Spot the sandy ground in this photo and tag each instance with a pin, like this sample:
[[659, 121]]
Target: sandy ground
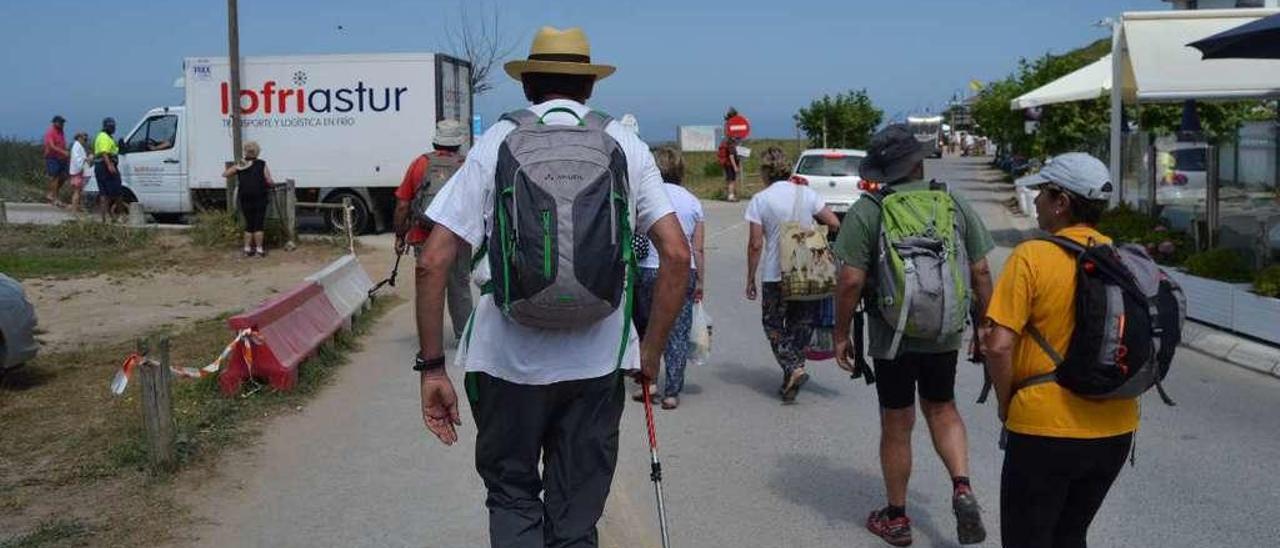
[[78, 312]]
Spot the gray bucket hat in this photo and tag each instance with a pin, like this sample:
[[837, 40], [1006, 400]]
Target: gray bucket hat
[[892, 155], [449, 133]]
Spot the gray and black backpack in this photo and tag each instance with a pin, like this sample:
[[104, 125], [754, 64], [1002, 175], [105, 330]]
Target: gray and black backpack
[[440, 167], [560, 247]]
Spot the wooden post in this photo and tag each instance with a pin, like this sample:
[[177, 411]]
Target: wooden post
[[291, 214], [233, 58], [4, 214], [346, 221], [157, 406]]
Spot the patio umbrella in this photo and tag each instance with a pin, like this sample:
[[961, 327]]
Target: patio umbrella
[[1257, 40]]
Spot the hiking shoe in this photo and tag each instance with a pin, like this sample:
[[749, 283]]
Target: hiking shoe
[[969, 527], [893, 531], [792, 387]]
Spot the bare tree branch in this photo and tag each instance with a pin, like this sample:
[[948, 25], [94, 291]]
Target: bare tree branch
[[480, 40]]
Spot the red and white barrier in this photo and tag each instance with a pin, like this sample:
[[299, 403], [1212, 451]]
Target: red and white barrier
[[290, 327], [345, 283]]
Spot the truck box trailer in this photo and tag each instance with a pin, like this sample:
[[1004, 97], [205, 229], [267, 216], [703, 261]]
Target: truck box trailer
[[338, 125]]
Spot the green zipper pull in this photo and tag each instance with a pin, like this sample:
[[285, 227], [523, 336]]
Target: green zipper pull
[[546, 244]]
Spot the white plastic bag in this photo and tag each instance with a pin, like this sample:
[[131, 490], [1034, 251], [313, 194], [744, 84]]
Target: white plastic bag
[[700, 335]]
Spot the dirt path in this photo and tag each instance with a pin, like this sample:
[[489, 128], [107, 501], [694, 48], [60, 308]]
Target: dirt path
[[80, 312]]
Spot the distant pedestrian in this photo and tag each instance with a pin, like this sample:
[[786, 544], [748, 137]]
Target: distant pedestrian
[[891, 242], [253, 190], [689, 212], [727, 155], [106, 170], [787, 324], [1063, 451], [56, 159], [81, 168], [427, 174], [551, 193]]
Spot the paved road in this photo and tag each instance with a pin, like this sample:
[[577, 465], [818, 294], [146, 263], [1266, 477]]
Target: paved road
[[354, 468]]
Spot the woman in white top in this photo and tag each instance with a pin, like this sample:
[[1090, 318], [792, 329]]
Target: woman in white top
[[689, 211], [787, 324], [81, 168]]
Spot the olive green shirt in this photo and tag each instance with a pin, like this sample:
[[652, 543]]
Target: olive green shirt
[[857, 246]]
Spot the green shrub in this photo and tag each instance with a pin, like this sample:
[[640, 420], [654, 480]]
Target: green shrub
[[21, 171], [222, 228], [1267, 282], [712, 169], [1227, 265], [82, 234], [1127, 225]]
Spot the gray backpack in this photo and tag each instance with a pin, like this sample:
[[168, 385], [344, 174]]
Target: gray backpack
[[440, 167], [560, 247]]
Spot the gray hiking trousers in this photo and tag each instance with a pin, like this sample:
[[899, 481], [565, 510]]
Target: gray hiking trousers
[[571, 428]]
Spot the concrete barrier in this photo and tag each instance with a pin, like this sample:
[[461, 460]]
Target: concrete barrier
[[345, 283], [287, 329]]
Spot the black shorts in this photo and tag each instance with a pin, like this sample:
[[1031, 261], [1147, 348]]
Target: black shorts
[[254, 209], [730, 174], [109, 184], [934, 374]]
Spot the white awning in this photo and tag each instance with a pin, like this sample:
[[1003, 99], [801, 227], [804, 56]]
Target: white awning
[[1089, 82], [1164, 68]]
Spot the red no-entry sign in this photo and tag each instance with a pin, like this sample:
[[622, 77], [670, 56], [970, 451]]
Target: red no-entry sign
[[737, 127]]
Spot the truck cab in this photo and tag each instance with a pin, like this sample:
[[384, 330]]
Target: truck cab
[[153, 162]]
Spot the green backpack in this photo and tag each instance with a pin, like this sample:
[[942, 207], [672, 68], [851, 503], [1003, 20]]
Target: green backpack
[[922, 273]]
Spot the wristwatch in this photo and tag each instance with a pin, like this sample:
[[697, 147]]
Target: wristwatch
[[420, 364]]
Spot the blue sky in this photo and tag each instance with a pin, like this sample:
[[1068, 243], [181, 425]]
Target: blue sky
[[679, 61]]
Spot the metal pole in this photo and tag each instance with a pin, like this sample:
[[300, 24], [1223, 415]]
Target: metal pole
[[1117, 108], [1211, 197], [233, 58]]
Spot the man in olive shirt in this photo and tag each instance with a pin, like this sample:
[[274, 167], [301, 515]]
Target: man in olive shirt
[[895, 158]]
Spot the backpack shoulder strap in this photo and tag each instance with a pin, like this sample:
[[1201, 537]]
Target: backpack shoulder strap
[[1075, 248], [1044, 345], [521, 117], [596, 120]]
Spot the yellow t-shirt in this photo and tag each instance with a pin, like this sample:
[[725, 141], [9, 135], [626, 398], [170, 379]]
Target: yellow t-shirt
[[104, 144], [1037, 287]]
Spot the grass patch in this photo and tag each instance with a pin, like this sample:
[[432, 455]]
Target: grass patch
[[73, 248], [22, 176], [75, 449], [705, 178], [223, 229], [50, 533]]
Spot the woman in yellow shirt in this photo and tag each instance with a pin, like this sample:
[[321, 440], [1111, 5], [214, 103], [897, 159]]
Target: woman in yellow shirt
[[1063, 451]]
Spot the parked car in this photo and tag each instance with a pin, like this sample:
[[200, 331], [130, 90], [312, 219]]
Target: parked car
[[1183, 174], [833, 174], [17, 325]]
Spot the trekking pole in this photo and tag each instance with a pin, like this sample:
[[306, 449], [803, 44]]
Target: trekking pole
[[655, 467], [390, 280]]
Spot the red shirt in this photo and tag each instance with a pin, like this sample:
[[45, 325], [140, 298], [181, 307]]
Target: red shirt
[[55, 144], [404, 192]]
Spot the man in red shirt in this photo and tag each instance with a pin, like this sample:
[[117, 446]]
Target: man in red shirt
[[56, 159], [428, 173]]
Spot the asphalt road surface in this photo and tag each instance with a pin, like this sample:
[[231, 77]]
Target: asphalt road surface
[[355, 468]]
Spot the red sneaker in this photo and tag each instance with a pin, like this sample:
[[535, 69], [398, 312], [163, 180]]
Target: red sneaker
[[894, 531]]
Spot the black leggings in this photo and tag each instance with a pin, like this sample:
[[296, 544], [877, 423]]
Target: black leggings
[[1051, 488], [254, 210]]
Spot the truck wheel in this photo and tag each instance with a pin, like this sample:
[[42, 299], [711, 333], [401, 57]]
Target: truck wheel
[[361, 215]]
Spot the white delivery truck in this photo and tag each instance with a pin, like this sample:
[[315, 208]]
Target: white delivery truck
[[338, 125]]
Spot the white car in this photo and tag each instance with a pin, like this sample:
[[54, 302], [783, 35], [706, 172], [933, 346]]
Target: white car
[[833, 174]]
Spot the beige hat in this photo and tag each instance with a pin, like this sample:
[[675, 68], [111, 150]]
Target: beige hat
[[449, 133], [558, 51]]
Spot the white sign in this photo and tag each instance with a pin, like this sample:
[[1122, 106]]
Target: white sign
[[744, 152], [698, 138]]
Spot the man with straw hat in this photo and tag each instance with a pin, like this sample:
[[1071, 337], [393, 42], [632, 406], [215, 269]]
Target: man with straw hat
[[548, 398]]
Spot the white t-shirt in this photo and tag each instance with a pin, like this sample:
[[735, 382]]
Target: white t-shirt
[[499, 346], [688, 210], [772, 207], [80, 162]]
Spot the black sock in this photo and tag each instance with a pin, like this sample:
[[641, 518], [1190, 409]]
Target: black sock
[[895, 512], [958, 481]]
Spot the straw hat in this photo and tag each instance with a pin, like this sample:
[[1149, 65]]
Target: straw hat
[[558, 51]]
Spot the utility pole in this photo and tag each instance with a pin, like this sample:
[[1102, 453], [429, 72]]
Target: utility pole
[[233, 58]]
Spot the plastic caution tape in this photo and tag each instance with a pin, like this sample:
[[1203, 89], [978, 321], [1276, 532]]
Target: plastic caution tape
[[247, 338]]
